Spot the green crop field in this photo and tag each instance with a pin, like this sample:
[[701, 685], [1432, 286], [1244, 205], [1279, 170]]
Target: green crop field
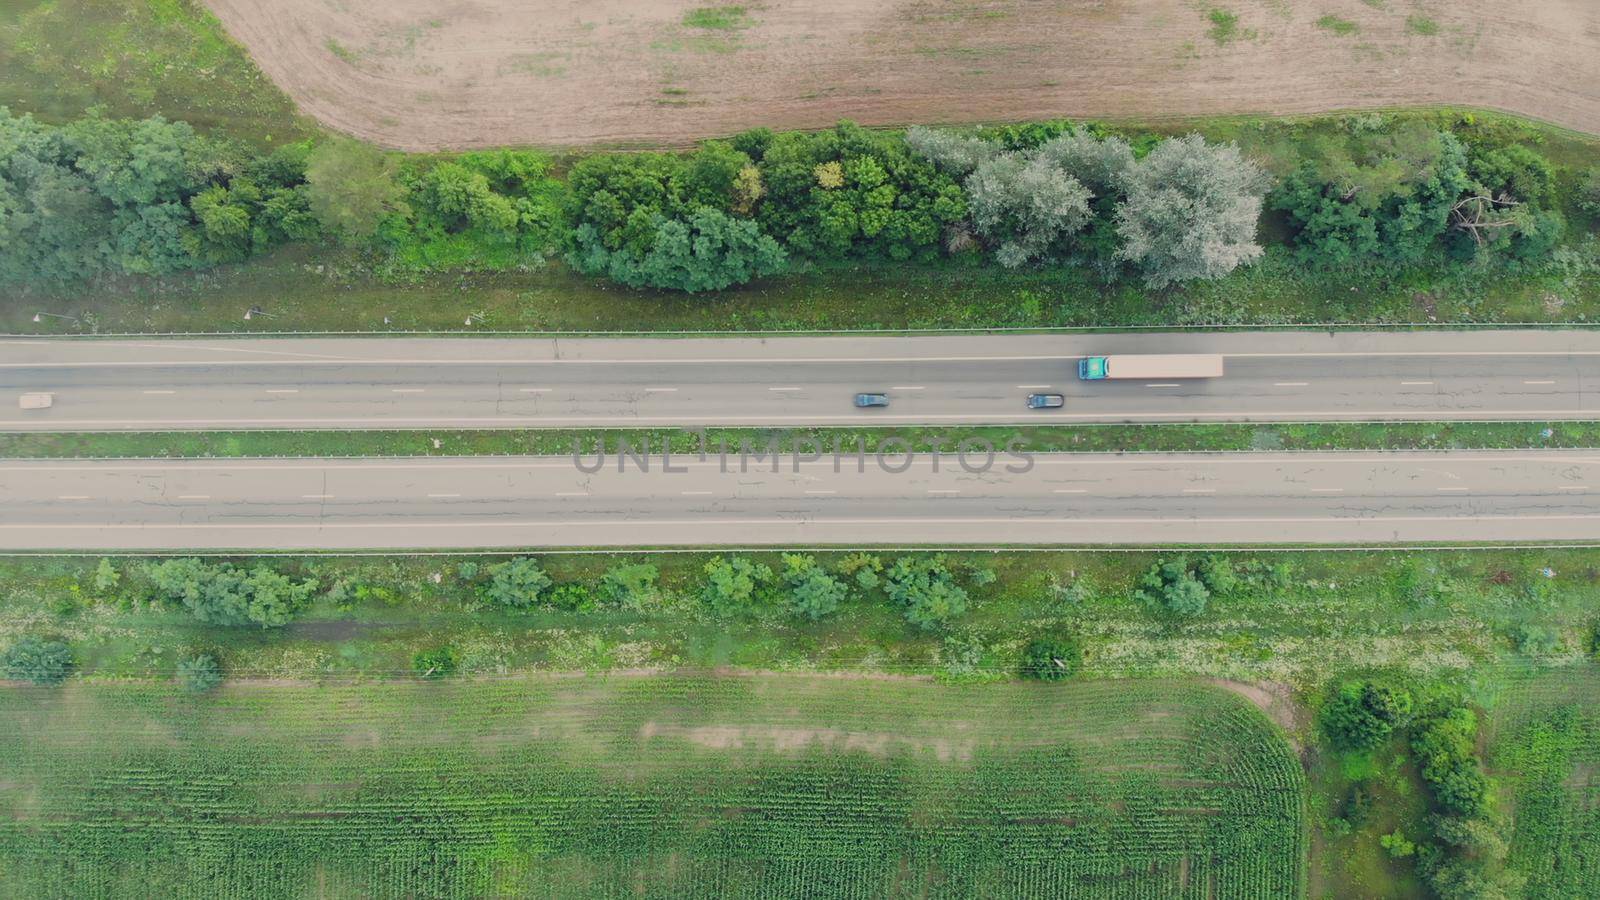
[[647, 786], [1545, 745]]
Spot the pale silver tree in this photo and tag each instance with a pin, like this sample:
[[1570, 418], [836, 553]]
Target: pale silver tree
[[1191, 211], [1024, 205], [954, 153], [1100, 164]]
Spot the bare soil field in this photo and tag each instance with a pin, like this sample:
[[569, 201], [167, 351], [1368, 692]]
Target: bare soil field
[[445, 74]]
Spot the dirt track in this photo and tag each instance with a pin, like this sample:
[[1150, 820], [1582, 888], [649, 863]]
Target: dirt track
[[434, 74]]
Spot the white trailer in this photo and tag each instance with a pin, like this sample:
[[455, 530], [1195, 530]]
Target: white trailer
[[1180, 365]]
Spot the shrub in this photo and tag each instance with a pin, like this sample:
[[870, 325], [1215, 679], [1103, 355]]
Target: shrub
[[572, 597], [440, 662], [813, 593], [106, 576], [1361, 714], [1172, 586], [1218, 574], [199, 673], [1535, 640], [927, 590], [1395, 842], [862, 568], [517, 583], [1051, 658], [1588, 196], [226, 595], [630, 586], [37, 660], [733, 584]]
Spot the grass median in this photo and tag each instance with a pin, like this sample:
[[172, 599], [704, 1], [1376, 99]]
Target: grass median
[[1173, 437]]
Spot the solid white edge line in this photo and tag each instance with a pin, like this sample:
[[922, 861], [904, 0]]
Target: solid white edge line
[[568, 523], [1174, 417]]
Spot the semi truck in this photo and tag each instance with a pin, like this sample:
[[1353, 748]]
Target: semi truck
[[1183, 365]]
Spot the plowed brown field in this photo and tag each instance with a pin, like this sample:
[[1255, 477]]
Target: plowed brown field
[[434, 74]]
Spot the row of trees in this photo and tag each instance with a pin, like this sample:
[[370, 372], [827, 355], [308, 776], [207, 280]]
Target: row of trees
[[928, 591], [151, 197]]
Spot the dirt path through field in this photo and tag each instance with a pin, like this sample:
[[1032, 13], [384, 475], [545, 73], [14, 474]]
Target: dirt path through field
[[434, 74]]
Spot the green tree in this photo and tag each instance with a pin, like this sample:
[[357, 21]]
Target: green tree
[[1359, 715], [1218, 574], [200, 673], [225, 232], [1508, 206], [711, 174], [37, 660], [926, 589], [135, 163], [630, 586], [459, 198], [707, 252], [53, 224], [866, 570], [1191, 211], [1384, 197], [226, 595], [1445, 746], [614, 202], [813, 593], [1051, 658], [351, 187], [1171, 585], [853, 192], [733, 584], [517, 583]]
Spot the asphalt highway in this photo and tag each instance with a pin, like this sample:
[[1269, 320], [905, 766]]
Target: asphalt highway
[[551, 502], [580, 382]]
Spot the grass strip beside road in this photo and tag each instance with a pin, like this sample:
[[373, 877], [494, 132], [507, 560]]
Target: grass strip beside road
[[1037, 439]]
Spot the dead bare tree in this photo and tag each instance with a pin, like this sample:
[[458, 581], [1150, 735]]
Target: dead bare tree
[[1482, 215]]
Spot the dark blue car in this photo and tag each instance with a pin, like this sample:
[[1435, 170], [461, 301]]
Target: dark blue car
[[867, 401]]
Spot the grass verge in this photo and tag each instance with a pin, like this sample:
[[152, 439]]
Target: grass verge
[[1036, 439], [1292, 618], [59, 59], [305, 291]]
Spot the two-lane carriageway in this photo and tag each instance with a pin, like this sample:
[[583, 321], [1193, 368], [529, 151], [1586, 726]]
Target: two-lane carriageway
[[946, 380], [1237, 498]]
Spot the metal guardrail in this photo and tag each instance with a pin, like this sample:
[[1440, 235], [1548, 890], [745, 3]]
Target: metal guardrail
[[822, 332]]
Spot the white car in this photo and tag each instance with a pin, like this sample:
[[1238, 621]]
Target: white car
[[36, 401]]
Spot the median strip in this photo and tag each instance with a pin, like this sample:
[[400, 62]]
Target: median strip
[[1054, 438]]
